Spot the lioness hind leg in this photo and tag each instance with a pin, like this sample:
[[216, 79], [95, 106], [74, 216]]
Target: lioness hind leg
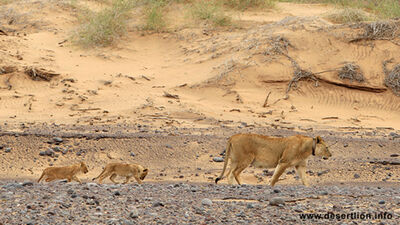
[[278, 172], [301, 171], [112, 178], [230, 173], [239, 169]]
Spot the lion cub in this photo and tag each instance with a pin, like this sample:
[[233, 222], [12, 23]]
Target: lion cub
[[64, 172], [124, 170]]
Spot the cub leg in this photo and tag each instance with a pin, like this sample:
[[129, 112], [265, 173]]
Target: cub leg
[[137, 179], [112, 178], [103, 176], [75, 178], [278, 172], [127, 180]]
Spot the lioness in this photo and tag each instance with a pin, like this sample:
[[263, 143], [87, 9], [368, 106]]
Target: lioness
[[124, 170], [269, 152], [65, 172]]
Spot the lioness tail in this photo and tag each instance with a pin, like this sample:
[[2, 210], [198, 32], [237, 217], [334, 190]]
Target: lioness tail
[[228, 152]]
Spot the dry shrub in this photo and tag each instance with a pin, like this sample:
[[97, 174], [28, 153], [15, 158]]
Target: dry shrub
[[348, 15], [392, 79], [352, 72], [380, 30]]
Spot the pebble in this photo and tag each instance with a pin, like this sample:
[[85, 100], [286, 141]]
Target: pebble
[[218, 159], [27, 183], [57, 139], [134, 213], [356, 176], [276, 201], [7, 150], [206, 201]]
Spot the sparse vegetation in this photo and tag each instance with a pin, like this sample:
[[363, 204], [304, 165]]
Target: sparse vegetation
[[351, 72], [245, 4], [4, 2], [392, 79], [104, 27], [154, 19], [210, 11], [385, 9], [348, 15]]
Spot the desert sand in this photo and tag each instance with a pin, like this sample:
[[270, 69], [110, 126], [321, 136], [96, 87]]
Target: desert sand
[[170, 100]]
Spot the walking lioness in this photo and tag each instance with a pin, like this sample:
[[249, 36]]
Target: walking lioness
[[65, 172], [125, 170], [271, 152]]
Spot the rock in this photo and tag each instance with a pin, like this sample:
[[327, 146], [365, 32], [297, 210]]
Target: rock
[[323, 193], [218, 159], [394, 155], [206, 201], [381, 202], [57, 149], [27, 183], [132, 154], [168, 146], [116, 193], [57, 139], [250, 205], [276, 201], [42, 153], [356, 176], [277, 191], [49, 152], [134, 213], [7, 150], [157, 204]]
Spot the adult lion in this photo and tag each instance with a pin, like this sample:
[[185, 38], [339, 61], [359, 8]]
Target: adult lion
[[64, 172], [125, 170], [271, 152]]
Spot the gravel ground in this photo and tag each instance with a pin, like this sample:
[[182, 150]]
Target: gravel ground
[[181, 203]]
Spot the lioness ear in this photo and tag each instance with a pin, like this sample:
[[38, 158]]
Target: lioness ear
[[145, 170], [319, 139]]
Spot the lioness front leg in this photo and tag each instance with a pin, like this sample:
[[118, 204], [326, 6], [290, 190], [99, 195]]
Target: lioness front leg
[[278, 172], [301, 171]]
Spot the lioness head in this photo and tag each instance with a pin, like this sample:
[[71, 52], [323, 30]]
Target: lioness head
[[84, 168], [321, 148], [144, 173]]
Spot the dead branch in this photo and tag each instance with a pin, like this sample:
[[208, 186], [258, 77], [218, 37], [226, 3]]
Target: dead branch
[[40, 74], [266, 100], [168, 95]]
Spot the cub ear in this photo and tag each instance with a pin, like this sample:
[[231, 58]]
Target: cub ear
[[319, 139], [145, 170]]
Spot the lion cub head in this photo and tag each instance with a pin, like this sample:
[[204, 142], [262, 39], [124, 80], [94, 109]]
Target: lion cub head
[[83, 168], [321, 149], [142, 172]]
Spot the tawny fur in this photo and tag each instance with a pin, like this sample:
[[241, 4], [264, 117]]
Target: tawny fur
[[271, 152], [128, 171], [64, 172]]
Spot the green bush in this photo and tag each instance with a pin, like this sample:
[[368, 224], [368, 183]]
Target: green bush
[[210, 11]]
